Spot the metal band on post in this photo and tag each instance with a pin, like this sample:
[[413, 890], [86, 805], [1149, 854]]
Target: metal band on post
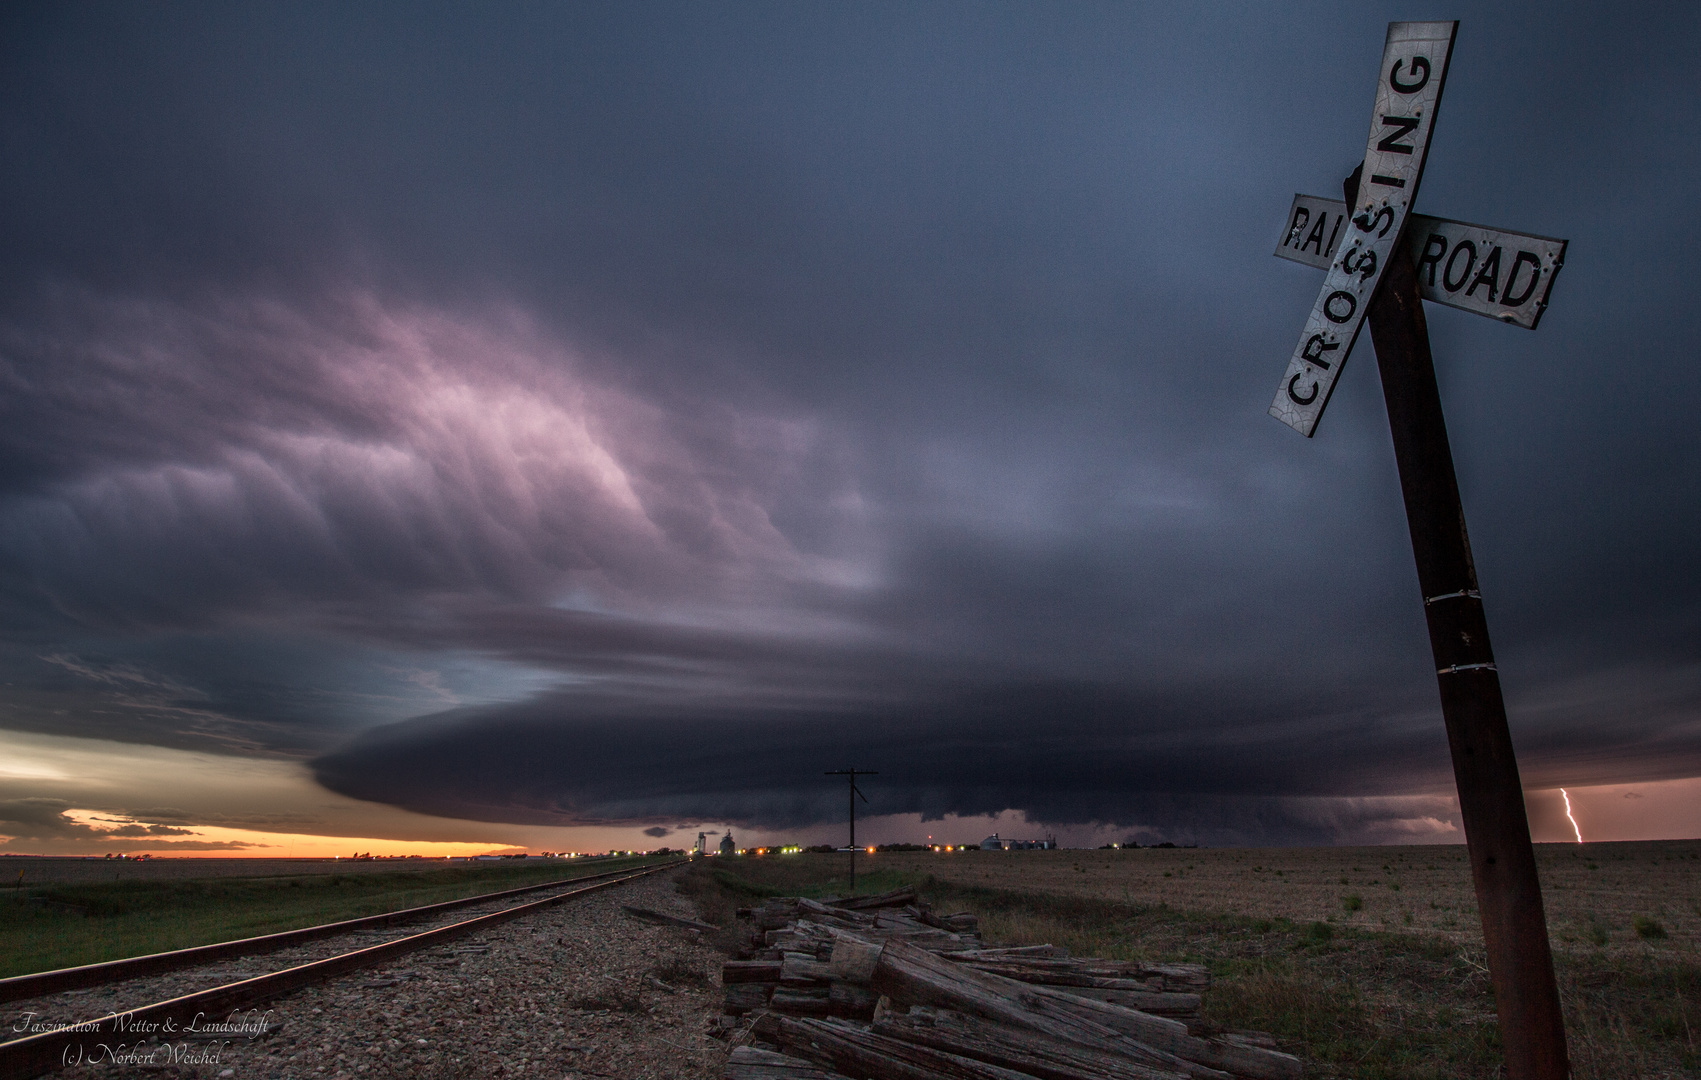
[[1462, 593]]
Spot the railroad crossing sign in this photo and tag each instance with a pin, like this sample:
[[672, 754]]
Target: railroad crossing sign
[[1381, 261], [1494, 272], [1414, 69]]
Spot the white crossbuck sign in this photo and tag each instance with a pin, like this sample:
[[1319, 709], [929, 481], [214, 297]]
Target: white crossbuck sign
[[1408, 92], [1494, 272]]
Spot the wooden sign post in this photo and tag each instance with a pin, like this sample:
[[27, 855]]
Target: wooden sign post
[[1377, 279]]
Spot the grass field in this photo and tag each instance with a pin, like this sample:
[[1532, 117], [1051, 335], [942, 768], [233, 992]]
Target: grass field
[[1367, 962], [56, 926]]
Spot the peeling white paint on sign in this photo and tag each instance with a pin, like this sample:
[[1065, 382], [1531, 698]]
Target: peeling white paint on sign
[[1494, 272], [1408, 91], [1503, 275]]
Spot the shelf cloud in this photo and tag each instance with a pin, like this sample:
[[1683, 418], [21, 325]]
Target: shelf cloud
[[656, 407]]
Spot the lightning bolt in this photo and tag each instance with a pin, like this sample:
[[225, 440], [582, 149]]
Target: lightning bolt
[[1568, 816]]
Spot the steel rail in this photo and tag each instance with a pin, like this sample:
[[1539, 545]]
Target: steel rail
[[34, 1055], [19, 987]]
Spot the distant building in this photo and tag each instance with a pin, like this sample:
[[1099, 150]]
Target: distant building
[[727, 846], [998, 843]]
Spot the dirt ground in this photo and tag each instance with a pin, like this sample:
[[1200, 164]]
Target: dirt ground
[[1591, 890]]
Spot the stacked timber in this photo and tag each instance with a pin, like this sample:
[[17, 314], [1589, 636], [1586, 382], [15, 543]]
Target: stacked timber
[[785, 967], [880, 988]]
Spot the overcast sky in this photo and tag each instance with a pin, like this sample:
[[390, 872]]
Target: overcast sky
[[621, 414]]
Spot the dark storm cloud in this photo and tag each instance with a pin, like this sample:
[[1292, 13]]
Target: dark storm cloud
[[1065, 754], [800, 385]]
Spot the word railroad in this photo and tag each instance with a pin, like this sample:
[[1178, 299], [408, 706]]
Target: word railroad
[[1494, 272], [1381, 261]]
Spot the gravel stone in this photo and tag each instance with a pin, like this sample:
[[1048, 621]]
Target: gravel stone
[[576, 991]]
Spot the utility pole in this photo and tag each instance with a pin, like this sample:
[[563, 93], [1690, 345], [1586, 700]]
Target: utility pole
[[855, 794], [1491, 796], [1381, 278]]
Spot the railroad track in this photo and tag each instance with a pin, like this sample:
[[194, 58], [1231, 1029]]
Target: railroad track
[[44, 1052], [20, 987]]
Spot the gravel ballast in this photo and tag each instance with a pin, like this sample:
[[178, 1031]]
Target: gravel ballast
[[578, 990]]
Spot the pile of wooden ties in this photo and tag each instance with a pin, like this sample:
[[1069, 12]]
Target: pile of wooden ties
[[880, 988]]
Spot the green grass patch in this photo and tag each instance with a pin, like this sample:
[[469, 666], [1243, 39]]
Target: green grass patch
[[736, 885], [63, 926], [1648, 929]]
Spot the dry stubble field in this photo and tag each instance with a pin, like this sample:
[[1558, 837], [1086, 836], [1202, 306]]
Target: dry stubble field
[[1590, 890], [1365, 961]]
